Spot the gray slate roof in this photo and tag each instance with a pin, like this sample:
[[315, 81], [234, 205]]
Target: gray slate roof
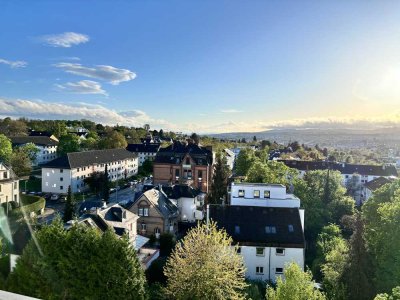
[[37, 140], [86, 158], [180, 191], [151, 148]]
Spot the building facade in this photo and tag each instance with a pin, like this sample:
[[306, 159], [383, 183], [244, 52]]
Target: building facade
[[9, 185], [184, 163], [47, 147], [72, 169], [144, 151]]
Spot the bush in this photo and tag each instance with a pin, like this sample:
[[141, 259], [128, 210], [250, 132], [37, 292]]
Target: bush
[[29, 204], [4, 266], [167, 243], [155, 273]]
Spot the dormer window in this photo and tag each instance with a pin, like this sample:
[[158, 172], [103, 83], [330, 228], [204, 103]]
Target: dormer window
[[256, 194], [241, 193], [270, 229], [267, 194]]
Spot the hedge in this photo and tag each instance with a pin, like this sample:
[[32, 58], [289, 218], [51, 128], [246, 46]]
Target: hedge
[[29, 204]]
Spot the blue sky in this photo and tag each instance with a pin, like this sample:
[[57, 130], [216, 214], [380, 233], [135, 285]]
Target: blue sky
[[205, 66]]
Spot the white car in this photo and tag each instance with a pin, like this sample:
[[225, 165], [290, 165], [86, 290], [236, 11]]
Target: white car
[[54, 197]]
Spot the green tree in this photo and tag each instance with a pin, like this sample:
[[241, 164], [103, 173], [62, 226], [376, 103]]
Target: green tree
[[68, 143], [5, 148], [271, 172], [70, 206], [20, 162], [96, 182], [146, 168], [167, 243], [394, 296], [382, 220], [244, 161], [113, 140], [31, 151], [297, 285], [219, 184], [205, 266], [195, 137], [79, 263], [106, 185]]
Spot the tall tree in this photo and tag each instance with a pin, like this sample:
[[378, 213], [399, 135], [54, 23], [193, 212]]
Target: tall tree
[[205, 266], [20, 162], [219, 185], [68, 143], [31, 151], [297, 285], [79, 263], [113, 140], [195, 137], [244, 161], [5, 148], [70, 206]]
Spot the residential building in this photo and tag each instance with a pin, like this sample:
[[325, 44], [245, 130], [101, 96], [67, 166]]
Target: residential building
[[186, 163], [367, 172], [189, 200], [268, 237], [268, 226], [47, 147], [373, 185], [260, 194], [230, 158], [9, 185], [157, 213], [43, 133], [144, 151], [72, 168]]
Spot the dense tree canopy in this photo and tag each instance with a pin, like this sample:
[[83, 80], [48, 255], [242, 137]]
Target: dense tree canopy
[[205, 266], [219, 183], [79, 263], [5, 148], [68, 143], [112, 140]]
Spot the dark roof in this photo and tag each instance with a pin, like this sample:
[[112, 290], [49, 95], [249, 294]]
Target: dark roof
[[40, 133], [37, 140], [247, 225], [377, 183], [175, 153], [153, 148], [372, 170], [88, 205], [86, 158], [180, 191]]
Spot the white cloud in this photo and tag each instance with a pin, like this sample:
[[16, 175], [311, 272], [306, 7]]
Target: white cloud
[[37, 109], [107, 73], [230, 111], [65, 40], [14, 64], [82, 87]]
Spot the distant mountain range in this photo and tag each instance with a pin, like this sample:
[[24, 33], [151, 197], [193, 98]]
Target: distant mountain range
[[347, 138]]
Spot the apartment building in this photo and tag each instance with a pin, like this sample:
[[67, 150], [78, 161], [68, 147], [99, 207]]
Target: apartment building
[[144, 151], [72, 168], [47, 147]]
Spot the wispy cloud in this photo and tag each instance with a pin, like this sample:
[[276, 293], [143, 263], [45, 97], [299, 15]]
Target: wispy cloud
[[82, 87], [230, 111], [37, 109], [64, 40], [107, 73], [14, 64]]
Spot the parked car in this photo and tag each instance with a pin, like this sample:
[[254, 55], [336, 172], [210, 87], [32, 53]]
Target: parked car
[[54, 197], [63, 198], [112, 190]]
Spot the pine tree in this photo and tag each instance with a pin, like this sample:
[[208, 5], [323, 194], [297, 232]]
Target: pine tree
[[69, 210], [106, 187], [220, 181]]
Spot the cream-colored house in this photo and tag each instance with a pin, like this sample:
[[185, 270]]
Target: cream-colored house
[[9, 185]]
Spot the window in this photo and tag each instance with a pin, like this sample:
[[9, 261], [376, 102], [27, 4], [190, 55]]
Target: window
[[278, 270], [143, 226], [140, 212], [15, 186], [267, 194], [61, 178], [200, 174], [157, 231], [259, 270], [146, 211], [237, 229], [280, 251], [61, 171], [256, 193], [0, 187], [5, 175], [61, 187], [270, 229], [260, 252], [239, 250], [290, 228], [177, 172], [77, 170], [241, 193]]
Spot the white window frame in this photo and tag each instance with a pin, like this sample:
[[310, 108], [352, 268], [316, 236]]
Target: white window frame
[[260, 254], [280, 254], [259, 270]]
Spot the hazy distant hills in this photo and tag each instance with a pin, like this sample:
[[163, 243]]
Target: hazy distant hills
[[324, 137]]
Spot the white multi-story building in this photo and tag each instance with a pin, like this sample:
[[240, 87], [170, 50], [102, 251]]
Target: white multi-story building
[[9, 185], [47, 147], [145, 151], [268, 226], [72, 168]]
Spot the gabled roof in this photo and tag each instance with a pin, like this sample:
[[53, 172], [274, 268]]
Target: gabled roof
[[37, 140], [180, 191], [377, 183], [152, 148], [87, 158], [160, 201], [252, 226], [372, 170], [175, 153]]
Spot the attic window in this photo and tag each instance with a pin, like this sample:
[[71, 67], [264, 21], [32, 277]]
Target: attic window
[[237, 229], [270, 229], [267, 194], [241, 193], [290, 228]]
